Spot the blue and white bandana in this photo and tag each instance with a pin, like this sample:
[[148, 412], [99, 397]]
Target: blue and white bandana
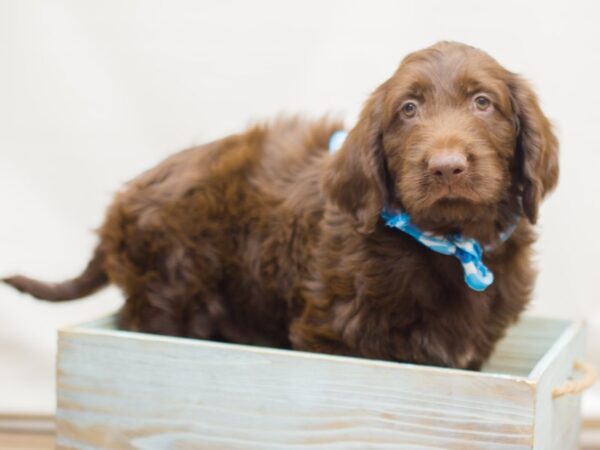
[[468, 251]]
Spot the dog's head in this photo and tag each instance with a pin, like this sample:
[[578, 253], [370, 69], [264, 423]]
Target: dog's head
[[452, 138]]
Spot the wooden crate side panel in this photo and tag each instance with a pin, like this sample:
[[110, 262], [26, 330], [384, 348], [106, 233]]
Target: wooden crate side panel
[[122, 391], [516, 354], [524, 345], [558, 421]]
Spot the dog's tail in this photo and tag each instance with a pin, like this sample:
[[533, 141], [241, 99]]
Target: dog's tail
[[92, 279]]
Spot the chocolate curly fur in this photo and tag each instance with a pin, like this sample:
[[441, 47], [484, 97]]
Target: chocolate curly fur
[[264, 238]]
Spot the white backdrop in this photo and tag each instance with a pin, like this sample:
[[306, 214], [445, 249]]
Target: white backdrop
[[92, 93]]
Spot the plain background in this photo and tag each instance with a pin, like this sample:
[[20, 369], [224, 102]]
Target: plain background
[[93, 93]]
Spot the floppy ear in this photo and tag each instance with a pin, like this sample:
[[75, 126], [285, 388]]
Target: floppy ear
[[354, 179], [537, 148]]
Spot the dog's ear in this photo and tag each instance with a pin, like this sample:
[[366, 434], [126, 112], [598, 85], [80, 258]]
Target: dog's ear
[[354, 179], [537, 148]]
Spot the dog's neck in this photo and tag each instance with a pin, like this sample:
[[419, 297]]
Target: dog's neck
[[468, 251], [490, 230]]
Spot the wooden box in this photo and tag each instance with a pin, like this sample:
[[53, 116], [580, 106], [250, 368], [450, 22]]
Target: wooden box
[[123, 390]]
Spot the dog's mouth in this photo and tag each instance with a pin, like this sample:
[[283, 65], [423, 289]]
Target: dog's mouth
[[444, 194], [450, 213], [441, 206]]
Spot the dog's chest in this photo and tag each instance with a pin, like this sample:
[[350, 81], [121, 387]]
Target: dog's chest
[[414, 274]]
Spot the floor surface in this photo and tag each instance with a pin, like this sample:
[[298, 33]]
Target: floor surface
[[30, 441]]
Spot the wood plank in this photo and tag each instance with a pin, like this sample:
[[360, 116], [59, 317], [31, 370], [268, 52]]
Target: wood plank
[[123, 390], [516, 354], [524, 345], [558, 421]]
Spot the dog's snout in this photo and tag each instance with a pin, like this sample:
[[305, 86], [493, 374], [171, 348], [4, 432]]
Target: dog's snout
[[447, 166]]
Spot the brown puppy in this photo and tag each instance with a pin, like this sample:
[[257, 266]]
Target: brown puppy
[[265, 238]]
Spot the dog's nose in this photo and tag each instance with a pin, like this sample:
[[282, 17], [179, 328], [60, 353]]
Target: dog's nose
[[447, 166]]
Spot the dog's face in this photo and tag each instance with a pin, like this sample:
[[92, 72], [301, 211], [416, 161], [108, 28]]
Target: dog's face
[[449, 134], [452, 138]]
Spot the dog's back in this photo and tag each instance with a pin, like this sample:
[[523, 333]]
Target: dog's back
[[214, 242]]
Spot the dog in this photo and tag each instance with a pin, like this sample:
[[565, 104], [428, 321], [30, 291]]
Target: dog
[[266, 238]]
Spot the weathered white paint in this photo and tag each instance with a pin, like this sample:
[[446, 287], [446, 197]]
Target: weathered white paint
[[558, 419], [121, 390], [524, 345]]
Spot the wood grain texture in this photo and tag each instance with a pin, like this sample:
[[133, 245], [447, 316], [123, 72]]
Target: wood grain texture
[[558, 420], [516, 354], [524, 346], [124, 390]]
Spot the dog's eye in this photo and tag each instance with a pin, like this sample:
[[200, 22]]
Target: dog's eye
[[482, 102], [409, 109]]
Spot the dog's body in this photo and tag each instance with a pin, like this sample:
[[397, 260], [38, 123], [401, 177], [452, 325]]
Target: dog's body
[[265, 238], [217, 241]]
